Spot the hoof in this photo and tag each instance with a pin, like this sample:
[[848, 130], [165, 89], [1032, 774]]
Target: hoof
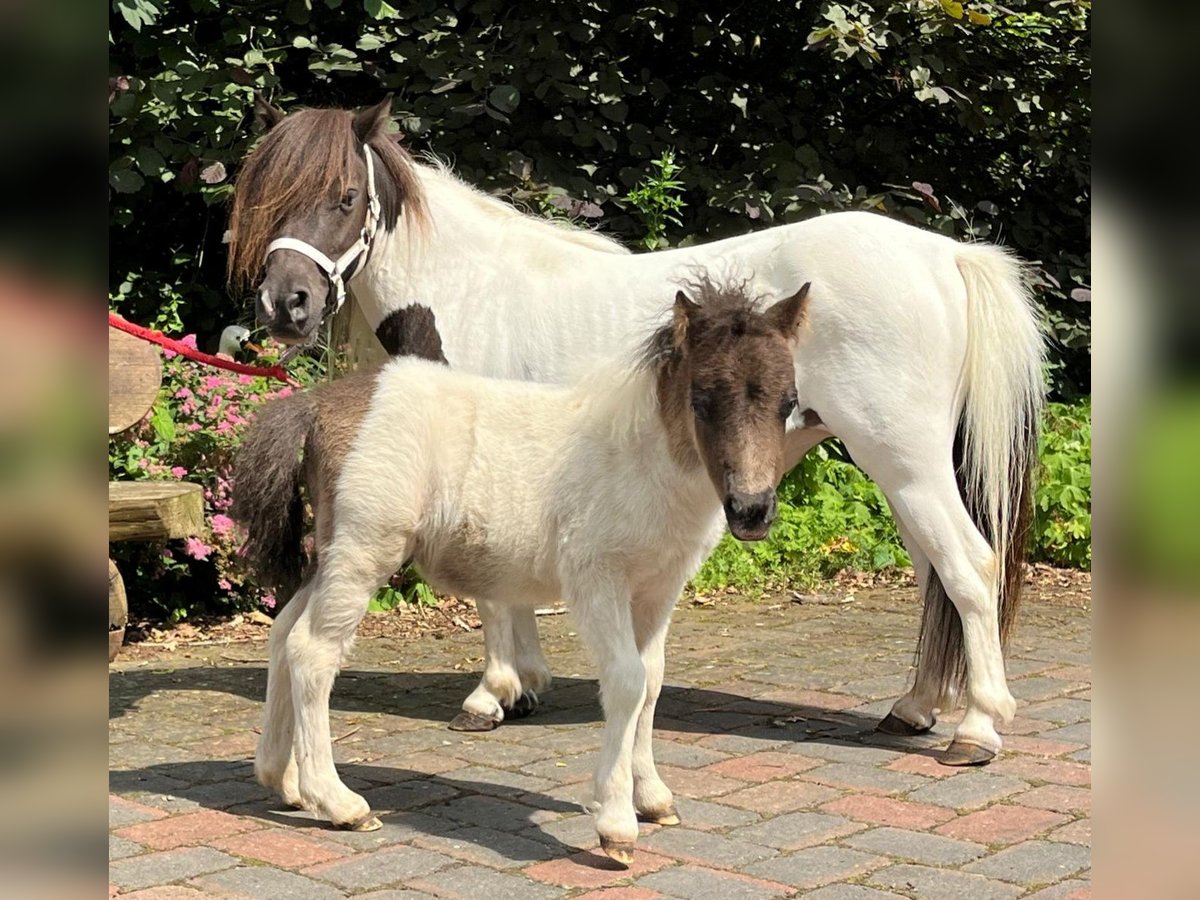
[[618, 851], [366, 823], [669, 816], [962, 753], [893, 724], [469, 721], [524, 706]]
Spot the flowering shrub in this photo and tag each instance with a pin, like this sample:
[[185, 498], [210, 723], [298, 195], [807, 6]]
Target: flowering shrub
[[191, 434]]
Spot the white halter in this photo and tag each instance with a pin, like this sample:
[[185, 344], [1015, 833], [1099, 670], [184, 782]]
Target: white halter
[[336, 270]]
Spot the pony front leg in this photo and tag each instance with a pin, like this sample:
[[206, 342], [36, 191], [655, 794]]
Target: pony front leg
[[651, 796], [532, 667], [606, 626], [500, 688]]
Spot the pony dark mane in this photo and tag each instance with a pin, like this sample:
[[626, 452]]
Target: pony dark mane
[[301, 162], [727, 312]]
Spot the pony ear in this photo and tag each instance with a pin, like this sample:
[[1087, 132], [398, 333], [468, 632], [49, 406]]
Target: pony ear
[[788, 315], [266, 116], [373, 121], [682, 314]]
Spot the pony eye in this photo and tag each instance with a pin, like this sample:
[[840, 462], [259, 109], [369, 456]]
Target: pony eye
[[348, 199], [787, 407]]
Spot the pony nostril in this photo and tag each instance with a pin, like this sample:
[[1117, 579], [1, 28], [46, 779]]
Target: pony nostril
[[297, 306]]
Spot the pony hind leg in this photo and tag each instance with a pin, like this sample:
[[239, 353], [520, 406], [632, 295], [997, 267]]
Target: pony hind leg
[[275, 759], [967, 568], [316, 648], [499, 690]]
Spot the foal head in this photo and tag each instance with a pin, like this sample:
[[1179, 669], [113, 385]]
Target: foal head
[[307, 180], [727, 385]]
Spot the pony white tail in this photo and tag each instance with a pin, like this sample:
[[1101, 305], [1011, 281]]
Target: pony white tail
[[995, 450]]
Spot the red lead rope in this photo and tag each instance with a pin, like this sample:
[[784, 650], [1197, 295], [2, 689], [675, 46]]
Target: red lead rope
[[157, 337]]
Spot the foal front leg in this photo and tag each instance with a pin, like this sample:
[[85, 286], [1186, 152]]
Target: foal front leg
[[274, 760], [606, 626], [651, 796]]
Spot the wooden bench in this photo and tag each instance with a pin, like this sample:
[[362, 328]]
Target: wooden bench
[[140, 510]]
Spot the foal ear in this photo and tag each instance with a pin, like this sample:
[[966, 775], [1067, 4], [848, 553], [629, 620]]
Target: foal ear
[[682, 314], [788, 315], [372, 122], [266, 116]]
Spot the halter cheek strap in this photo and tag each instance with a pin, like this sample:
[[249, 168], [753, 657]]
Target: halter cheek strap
[[351, 261]]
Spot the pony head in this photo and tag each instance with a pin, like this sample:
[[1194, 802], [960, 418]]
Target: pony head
[[727, 386], [307, 182]]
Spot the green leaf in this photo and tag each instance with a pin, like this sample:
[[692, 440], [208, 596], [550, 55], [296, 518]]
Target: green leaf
[[377, 9], [125, 181], [162, 423], [504, 98]]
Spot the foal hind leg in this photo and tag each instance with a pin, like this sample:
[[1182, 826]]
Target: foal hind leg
[[316, 648], [500, 687], [275, 760], [968, 568], [916, 712]]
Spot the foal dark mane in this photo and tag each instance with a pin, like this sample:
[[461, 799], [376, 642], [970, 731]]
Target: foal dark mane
[[301, 162], [727, 312]]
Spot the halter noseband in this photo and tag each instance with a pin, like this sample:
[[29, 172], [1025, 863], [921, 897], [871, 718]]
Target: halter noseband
[[335, 270]]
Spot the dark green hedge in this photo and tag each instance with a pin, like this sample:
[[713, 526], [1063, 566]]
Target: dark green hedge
[[974, 121]]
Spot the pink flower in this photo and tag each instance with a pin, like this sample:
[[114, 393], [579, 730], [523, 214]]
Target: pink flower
[[268, 600], [285, 391], [212, 382], [245, 379], [183, 393], [224, 428], [168, 353], [178, 471], [143, 463], [224, 584], [188, 340], [221, 524], [196, 548], [192, 426]]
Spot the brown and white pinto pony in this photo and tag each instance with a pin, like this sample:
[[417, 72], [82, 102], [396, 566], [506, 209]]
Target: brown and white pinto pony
[[609, 493], [925, 360]]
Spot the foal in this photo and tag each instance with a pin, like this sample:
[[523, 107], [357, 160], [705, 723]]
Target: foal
[[608, 493]]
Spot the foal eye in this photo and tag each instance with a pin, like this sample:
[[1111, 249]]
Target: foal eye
[[787, 407], [701, 404], [348, 199]]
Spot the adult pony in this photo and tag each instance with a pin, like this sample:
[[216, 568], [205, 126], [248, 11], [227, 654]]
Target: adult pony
[[926, 360], [608, 493]]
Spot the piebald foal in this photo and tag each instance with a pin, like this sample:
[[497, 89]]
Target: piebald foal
[[608, 493]]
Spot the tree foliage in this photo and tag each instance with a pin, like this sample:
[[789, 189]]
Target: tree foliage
[[971, 119]]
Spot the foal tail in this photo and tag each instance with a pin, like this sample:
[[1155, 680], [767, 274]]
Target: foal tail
[[267, 475], [995, 449]]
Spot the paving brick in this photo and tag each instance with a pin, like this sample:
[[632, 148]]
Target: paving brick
[[705, 848], [572, 832], [501, 755], [1077, 832], [500, 782], [186, 830], [706, 816], [409, 795], [776, 797], [1039, 688], [922, 764], [1064, 712], [565, 768], [769, 765], [620, 893], [428, 762], [969, 789], [1054, 771], [799, 829], [1037, 746], [394, 895], [488, 847], [916, 846], [153, 869], [397, 828], [167, 892], [119, 848], [473, 882], [686, 756], [592, 869], [941, 884], [699, 883], [889, 811], [257, 882], [126, 812], [1071, 889], [281, 847], [1034, 862], [1001, 824], [845, 752], [379, 868], [697, 783], [493, 812], [864, 778], [850, 892], [816, 866], [1058, 798], [743, 743]]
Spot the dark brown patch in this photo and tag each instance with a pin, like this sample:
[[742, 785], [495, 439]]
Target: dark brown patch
[[811, 419], [304, 161], [412, 331]]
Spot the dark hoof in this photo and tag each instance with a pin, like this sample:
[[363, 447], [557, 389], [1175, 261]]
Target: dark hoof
[[366, 823], [618, 851], [524, 706], [962, 753], [469, 721], [669, 816], [893, 724]]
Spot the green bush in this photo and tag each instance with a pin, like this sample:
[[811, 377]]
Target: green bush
[[1062, 528]]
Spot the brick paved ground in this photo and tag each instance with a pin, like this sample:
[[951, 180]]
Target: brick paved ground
[[764, 733]]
